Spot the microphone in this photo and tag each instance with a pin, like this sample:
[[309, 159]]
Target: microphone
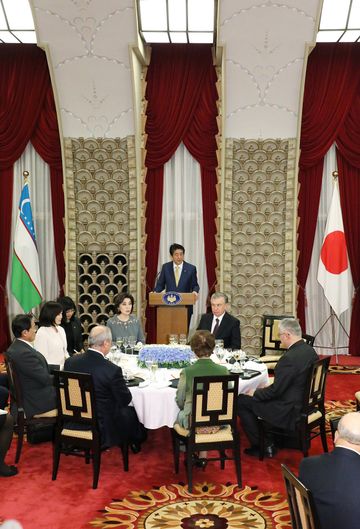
[[156, 279]]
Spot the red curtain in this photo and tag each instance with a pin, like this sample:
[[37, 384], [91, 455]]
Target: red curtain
[[27, 113], [181, 94], [348, 157], [332, 82]]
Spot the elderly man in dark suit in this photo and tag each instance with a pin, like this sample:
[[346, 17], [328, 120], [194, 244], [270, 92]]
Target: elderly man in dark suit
[[333, 478], [118, 422], [220, 323], [32, 369], [279, 403]]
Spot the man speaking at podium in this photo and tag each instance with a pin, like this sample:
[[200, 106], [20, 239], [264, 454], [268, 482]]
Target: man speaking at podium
[[178, 275]]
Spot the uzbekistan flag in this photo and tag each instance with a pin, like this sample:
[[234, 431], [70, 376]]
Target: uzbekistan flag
[[334, 273], [25, 275]]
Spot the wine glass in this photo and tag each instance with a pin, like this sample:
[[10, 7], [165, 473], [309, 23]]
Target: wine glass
[[148, 362], [242, 359], [125, 343], [132, 343], [220, 353], [119, 342], [237, 356], [153, 369]]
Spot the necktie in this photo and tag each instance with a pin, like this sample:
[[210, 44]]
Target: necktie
[[176, 275], [216, 327]]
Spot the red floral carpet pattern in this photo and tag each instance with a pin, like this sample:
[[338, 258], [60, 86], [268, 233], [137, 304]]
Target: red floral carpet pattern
[[210, 506]]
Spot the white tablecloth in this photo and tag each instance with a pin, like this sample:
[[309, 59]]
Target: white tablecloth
[[157, 407]]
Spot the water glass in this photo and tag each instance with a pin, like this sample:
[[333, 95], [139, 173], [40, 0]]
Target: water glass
[[173, 339], [182, 339], [219, 344], [220, 353]]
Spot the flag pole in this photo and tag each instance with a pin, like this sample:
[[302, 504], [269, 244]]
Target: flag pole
[[333, 314]]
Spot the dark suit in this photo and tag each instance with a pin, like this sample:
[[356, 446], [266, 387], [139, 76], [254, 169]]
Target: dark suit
[[117, 421], [229, 329], [279, 403], [187, 282], [34, 376], [333, 479]]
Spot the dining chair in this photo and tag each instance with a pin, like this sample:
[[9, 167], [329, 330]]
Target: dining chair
[[271, 349], [213, 408], [17, 402], [311, 419], [357, 399], [77, 430], [301, 503]]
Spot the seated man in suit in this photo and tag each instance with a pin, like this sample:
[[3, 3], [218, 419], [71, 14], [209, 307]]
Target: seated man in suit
[[32, 369], [220, 323], [118, 422], [280, 402], [333, 478], [178, 275]]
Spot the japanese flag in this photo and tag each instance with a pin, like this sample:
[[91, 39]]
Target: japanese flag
[[334, 271]]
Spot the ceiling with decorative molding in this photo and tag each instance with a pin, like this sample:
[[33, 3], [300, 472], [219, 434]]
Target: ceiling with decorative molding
[[264, 45]]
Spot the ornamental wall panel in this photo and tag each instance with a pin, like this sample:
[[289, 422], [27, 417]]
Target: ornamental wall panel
[[101, 224], [258, 232]]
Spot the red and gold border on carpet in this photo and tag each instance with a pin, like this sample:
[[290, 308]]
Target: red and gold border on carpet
[[210, 506]]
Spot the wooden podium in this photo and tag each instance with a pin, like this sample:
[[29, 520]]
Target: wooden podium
[[171, 312]]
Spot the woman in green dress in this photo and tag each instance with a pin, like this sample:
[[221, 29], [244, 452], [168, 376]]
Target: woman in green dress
[[202, 344]]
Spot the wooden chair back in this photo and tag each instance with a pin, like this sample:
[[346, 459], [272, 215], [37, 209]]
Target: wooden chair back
[[214, 401], [301, 503]]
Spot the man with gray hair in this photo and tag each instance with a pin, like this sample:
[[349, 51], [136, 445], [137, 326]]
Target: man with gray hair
[[279, 403], [333, 478], [118, 422], [220, 323]]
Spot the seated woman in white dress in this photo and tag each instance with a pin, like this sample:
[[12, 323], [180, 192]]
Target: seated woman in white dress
[[124, 324], [50, 338]]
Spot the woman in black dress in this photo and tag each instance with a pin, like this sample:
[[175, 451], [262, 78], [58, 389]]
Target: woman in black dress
[[71, 326]]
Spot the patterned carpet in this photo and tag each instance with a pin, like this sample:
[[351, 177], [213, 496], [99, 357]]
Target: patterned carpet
[[210, 506], [344, 370], [337, 408]]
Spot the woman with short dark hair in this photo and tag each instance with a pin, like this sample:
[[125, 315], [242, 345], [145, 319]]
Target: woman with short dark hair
[[124, 324], [50, 339]]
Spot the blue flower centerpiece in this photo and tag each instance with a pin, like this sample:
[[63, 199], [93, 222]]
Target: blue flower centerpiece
[[169, 356]]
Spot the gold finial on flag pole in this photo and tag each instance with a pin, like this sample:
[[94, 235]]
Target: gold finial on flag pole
[[25, 175], [335, 174]]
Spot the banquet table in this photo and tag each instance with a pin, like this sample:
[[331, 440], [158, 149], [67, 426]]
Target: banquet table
[[156, 407]]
